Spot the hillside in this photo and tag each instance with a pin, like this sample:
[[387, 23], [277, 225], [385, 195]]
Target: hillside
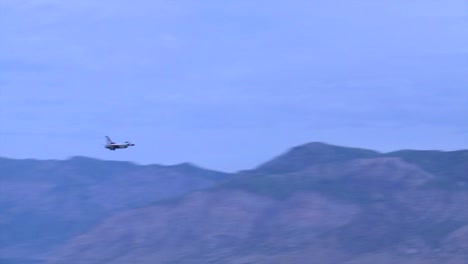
[[319, 202], [46, 202]]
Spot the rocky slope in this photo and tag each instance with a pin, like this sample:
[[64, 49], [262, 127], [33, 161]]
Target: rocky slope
[[47, 202], [316, 203]]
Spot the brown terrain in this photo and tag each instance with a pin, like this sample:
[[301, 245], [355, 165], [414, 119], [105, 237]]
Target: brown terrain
[[316, 203]]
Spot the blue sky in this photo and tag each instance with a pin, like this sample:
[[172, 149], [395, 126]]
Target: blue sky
[[229, 84]]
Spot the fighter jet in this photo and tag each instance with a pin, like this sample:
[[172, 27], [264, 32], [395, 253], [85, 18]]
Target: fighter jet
[[113, 146]]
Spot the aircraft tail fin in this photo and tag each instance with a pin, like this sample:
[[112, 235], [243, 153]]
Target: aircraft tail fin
[[108, 140]]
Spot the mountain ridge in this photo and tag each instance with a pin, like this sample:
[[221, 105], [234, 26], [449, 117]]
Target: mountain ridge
[[46, 202], [283, 207], [309, 149]]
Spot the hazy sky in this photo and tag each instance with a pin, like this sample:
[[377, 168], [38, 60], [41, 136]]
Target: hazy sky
[[229, 84]]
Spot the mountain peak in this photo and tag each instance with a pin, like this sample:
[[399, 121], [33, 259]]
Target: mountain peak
[[185, 165], [319, 145], [308, 154], [316, 144]]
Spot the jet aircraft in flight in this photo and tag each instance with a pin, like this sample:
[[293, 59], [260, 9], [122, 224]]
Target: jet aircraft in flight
[[113, 146]]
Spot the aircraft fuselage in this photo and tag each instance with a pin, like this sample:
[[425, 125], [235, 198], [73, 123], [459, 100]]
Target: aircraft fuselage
[[118, 146], [113, 146]]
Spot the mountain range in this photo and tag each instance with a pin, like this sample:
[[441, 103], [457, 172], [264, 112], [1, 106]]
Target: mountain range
[[315, 203]]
